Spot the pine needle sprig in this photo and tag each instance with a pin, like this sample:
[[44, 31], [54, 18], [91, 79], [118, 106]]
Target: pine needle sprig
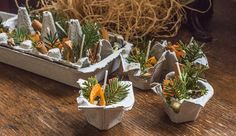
[[138, 58], [19, 35], [187, 85], [115, 91], [92, 35], [88, 85], [60, 19], [193, 51], [51, 40], [2, 28], [194, 75]]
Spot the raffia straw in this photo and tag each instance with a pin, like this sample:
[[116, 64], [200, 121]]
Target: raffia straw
[[131, 18]]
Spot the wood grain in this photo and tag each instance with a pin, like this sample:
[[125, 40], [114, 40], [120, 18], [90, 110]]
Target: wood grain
[[31, 105]]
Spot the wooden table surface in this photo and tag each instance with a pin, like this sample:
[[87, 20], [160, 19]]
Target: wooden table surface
[[33, 105]]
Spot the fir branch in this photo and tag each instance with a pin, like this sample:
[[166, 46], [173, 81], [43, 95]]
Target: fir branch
[[138, 57], [51, 40], [88, 85], [193, 51], [186, 86], [61, 17], [115, 91], [19, 35], [92, 35]]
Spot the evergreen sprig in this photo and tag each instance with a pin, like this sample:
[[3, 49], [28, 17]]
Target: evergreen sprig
[[115, 91], [193, 51], [19, 35], [92, 35], [1, 25], [60, 19], [186, 86], [138, 57], [194, 74], [51, 40], [88, 85]]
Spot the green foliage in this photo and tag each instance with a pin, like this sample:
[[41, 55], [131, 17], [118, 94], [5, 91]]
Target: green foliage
[[51, 40], [142, 43], [2, 29], [193, 51], [60, 19], [1, 21], [115, 91], [61, 31], [92, 35], [138, 57], [19, 35], [194, 74], [88, 85], [180, 87]]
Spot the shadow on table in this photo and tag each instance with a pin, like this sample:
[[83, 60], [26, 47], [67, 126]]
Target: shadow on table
[[25, 81]]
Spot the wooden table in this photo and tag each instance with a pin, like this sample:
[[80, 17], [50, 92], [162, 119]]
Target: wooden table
[[33, 105]]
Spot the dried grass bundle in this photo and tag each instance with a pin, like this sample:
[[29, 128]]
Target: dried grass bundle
[[132, 18]]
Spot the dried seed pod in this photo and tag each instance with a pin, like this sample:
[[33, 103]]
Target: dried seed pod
[[11, 42], [36, 37], [37, 25], [147, 74], [41, 48], [151, 62], [175, 105], [68, 50]]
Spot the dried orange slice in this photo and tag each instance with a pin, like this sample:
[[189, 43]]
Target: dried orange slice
[[151, 62], [97, 92]]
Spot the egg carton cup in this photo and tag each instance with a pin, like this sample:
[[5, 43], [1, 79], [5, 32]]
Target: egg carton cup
[[106, 117], [57, 69], [166, 63], [190, 108]]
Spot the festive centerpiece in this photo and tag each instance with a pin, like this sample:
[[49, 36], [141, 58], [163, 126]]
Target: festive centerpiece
[[59, 48], [104, 105], [184, 92], [145, 68], [189, 52]]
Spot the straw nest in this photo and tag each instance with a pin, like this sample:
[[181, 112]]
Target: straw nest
[[132, 18]]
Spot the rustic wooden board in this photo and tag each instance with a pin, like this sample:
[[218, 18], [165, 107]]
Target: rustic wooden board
[[31, 105]]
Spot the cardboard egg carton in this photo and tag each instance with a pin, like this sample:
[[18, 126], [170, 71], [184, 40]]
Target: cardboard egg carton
[[51, 67], [106, 117]]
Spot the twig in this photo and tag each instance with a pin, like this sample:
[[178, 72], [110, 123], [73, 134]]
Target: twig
[[148, 50], [81, 47], [178, 69], [105, 80]]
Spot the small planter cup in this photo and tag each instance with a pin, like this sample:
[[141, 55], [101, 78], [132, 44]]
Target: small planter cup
[[190, 108], [106, 117]]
